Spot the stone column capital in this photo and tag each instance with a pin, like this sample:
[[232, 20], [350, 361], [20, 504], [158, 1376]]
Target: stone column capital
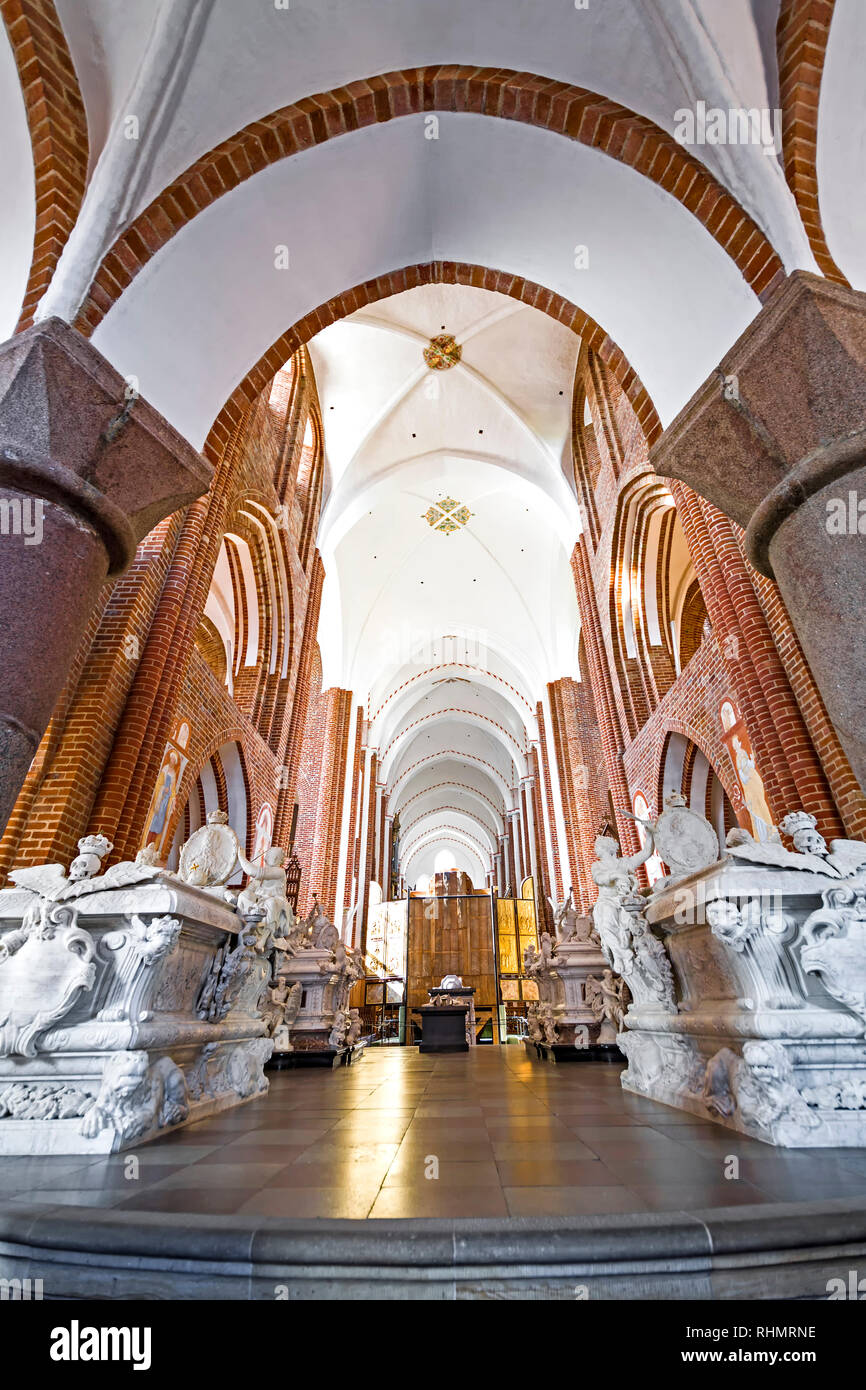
[[792, 386], [776, 439], [75, 432], [87, 469]]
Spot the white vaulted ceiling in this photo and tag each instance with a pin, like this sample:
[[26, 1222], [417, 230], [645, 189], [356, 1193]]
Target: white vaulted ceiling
[[489, 192], [448, 638], [254, 56]]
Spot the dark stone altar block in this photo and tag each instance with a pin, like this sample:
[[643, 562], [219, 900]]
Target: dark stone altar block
[[443, 1029]]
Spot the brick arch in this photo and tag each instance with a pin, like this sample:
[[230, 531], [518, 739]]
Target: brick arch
[[409, 277], [573, 112], [58, 134], [208, 752], [646, 677], [802, 33], [719, 762]]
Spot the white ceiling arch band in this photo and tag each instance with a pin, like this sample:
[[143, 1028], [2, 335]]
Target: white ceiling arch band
[[657, 281]]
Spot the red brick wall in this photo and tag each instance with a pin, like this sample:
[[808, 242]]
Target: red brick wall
[[139, 669]]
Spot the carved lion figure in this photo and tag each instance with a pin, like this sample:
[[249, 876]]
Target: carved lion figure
[[135, 1096]]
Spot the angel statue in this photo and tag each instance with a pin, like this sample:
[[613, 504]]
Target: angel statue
[[568, 924], [626, 939], [562, 916], [267, 889]]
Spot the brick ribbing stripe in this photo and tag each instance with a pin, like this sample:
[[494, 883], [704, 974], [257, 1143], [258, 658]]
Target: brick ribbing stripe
[[58, 134], [845, 788], [802, 32], [791, 770]]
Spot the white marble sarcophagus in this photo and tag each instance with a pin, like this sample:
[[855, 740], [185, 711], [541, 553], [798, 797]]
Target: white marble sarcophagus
[[748, 978], [580, 1001], [129, 1004], [314, 1024]]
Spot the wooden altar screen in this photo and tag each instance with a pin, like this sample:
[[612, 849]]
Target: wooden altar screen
[[453, 935]]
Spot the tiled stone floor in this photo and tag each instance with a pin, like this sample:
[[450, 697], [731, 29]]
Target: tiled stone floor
[[512, 1136]]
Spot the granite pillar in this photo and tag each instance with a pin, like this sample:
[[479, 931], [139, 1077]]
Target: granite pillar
[[87, 469], [776, 438]]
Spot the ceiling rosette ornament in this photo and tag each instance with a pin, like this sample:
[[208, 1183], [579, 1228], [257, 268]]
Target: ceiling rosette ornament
[[447, 515], [442, 352]]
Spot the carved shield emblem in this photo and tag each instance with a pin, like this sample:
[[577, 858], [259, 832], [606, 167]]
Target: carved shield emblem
[[41, 978]]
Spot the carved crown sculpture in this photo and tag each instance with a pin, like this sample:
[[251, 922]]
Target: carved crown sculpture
[[797, 820], [95, 844]]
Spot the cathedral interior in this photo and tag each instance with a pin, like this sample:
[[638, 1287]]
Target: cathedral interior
[[432, 760]]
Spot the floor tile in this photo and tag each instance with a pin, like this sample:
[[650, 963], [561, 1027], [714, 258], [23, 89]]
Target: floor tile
[[560, 1149], [210, 1201], [696, 1197], [570, 1201], [436, 1200], [554, 1173], [408, 1172], [72, 1197], [339, 1202], [221, 1175]]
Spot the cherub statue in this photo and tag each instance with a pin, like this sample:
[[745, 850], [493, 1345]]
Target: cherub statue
[[355, 1025], [284, 1002], [337, 1035]]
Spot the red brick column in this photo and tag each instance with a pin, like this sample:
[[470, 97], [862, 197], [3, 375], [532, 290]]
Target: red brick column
[[133, 767], [353, 846], [548, 796], [300, 706], [329, 804], [605, 703], [512, 860], [582, 805]]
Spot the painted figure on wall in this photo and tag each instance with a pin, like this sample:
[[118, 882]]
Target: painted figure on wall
[[264, 832], [739, 747], [174, 763]]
